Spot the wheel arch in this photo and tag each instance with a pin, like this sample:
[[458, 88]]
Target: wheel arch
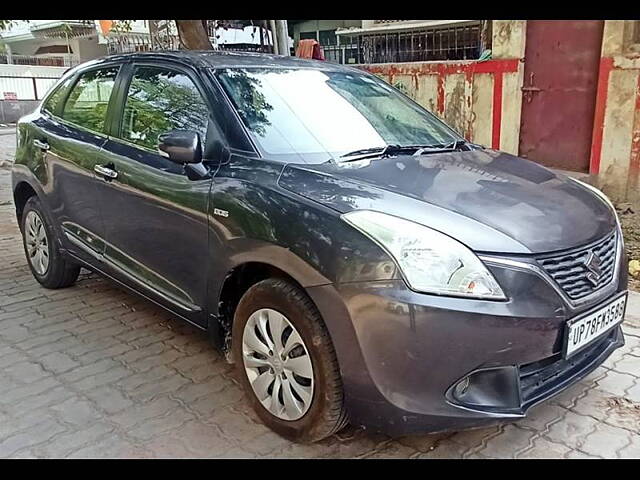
[[22, 192], [235, 284]]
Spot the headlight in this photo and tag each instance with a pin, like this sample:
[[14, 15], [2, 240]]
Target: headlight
[[430, 261]]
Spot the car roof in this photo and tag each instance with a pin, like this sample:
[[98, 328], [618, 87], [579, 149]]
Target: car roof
[[223, 59]]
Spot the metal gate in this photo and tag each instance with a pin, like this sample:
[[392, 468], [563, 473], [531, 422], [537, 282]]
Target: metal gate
[[559, 92]]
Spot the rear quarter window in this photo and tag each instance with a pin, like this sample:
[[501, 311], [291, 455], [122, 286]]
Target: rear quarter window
[[87, 103], [52, 101]]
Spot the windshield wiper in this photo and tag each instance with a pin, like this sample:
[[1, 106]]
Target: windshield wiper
[[394, 149], [380, 151], [450, 147]]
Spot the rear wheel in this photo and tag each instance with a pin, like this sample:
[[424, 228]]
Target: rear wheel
[[47, 264], [286, 362]]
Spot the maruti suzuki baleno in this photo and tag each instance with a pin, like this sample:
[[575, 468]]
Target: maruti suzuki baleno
[[353, 256]]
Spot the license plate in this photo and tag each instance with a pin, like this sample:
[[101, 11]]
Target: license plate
[[583, 331]]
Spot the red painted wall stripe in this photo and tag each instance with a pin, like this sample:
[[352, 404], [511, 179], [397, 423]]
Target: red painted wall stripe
[[497, 111], [606, 65], [440, 97], [496, 67], [444, 68], [634, 164]]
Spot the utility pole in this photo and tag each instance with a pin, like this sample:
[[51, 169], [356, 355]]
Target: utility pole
[[214, 41], [8, 52], [283, 37], [274, 36]]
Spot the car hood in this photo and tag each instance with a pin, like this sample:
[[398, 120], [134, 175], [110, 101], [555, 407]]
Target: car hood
[[489, 200]]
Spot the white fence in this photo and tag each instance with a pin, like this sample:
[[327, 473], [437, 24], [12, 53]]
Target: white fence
[[22, 87], [27, 82]]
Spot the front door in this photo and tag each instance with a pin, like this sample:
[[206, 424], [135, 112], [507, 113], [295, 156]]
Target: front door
[[155, 217], [559, 92]]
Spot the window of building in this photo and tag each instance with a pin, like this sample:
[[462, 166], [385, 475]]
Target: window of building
[[328, 37], [160, 100], [87, 103], [460, 41], [442, 43], [307, 35]]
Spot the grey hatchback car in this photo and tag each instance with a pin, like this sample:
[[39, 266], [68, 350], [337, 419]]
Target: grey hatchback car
[[354, 256]]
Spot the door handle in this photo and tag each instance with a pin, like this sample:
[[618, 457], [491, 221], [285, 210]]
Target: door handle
[[105, 172], [40, 144]]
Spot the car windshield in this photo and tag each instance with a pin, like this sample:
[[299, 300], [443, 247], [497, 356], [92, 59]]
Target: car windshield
[[320, 114]]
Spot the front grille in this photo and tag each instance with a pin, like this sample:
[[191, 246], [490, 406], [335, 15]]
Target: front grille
[[570, 271]]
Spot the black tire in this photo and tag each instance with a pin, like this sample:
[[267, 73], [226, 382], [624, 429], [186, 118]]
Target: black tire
[[326, 414], [61, 272]]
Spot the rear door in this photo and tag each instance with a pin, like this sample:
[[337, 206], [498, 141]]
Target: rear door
[[155, 216], [71, 135]]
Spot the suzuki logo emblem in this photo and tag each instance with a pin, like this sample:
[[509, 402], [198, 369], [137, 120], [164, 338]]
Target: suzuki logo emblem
[[593, 265]]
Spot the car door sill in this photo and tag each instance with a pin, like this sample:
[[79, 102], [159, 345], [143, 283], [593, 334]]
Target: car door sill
[[185, 308]]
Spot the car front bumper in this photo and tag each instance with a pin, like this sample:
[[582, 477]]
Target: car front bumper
[[404, 356]]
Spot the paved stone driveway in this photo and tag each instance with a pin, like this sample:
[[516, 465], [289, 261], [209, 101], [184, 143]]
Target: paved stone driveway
[[92, 371]]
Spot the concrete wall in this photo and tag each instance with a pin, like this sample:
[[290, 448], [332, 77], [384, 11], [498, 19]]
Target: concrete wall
[[10, 112], [615, 151]]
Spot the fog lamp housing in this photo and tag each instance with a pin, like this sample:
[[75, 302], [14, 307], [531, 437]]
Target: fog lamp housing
[[491, 389]]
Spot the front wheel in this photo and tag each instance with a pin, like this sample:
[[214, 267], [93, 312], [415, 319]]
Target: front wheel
[[47, 264], [286, 362]]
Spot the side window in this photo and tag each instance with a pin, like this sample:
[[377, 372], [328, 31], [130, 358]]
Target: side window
[[87, 103], [50, 105], [160, 100]]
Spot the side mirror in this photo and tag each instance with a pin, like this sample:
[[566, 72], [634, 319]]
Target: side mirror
[[181, 146]]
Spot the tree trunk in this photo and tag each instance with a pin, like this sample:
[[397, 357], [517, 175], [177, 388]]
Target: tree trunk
[[485, 35], [193, 35]]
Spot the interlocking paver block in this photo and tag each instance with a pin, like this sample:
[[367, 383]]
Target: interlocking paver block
[[109, 399], [543, 448], [605, 441], [571, 429], [630, 451], [76, 411], [512, 439], [140, 413], [66, 443], [58, 362], [46, 430], [595, 404], [629, 364], [615, 383]]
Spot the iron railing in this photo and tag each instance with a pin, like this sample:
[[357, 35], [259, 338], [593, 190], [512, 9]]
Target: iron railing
[[49, 61], [459, 42]]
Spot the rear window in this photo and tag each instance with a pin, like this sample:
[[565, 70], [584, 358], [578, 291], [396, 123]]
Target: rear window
[[86, 105]]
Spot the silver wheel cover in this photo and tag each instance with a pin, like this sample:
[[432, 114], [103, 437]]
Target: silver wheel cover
[[37, 243], [277, 364]]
